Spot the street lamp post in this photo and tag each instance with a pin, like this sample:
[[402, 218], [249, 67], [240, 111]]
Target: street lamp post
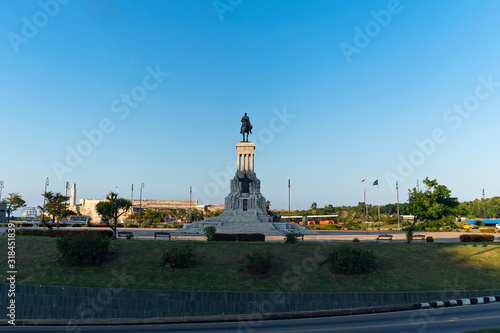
[[289, 199], [44, 200], [140, 204], [1, 188]]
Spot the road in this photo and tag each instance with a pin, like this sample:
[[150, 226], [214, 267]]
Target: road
[[326, 235], [442, 320]]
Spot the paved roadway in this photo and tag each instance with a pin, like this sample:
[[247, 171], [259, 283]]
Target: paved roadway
[[440, 320], [342, 236]]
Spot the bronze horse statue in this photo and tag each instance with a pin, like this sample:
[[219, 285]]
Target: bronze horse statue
[[246, 127]]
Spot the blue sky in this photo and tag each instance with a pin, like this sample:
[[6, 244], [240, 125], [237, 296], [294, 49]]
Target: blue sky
[[110, 93]]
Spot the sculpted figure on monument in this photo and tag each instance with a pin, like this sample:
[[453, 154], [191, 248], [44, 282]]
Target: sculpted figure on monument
[[246, 127], [245, 184]]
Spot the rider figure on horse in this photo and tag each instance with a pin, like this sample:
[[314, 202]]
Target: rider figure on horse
[[246, 127]]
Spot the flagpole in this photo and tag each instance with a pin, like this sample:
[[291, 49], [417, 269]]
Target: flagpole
[[397, 191], [366, 211], [364, 193], [378, 204]]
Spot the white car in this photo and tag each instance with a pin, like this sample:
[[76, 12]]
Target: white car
[[497, 225]]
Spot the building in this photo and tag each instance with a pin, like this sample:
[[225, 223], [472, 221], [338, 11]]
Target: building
[[88, 206], [3, 212]]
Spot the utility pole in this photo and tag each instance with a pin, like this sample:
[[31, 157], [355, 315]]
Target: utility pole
[[67, 188], [44, 200], [289, 199], [132, 205], [140, 204], [1, 188], [484, 205], [418, 189], [190, 193], [397, 191]]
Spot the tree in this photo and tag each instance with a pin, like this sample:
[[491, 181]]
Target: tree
[[56, 205], [112, 209], [433, 204], [14, 202], [314, 205]]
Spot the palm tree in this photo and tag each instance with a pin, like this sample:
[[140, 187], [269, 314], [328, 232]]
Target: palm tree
[[314, 205]]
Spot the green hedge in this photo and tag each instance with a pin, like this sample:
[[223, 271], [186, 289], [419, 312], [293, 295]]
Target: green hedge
[[476, 238], [240, 237], [59, 233], [84, 248]]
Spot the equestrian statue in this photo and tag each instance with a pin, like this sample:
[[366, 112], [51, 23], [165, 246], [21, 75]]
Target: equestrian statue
[[246, 127]]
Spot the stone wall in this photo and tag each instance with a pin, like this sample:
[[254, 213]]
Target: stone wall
[[87, 206]]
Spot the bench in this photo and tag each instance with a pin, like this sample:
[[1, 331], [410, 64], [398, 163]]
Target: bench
[[419, 237], [125, 234], [162, 234], [384, 237]]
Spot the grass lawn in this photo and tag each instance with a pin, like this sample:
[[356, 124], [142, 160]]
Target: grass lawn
[[136, 264]]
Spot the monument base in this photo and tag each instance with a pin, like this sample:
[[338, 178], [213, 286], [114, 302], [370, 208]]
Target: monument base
[[245, 207]]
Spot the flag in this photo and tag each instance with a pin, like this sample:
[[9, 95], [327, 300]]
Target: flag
[[363, 180], [375, 182]]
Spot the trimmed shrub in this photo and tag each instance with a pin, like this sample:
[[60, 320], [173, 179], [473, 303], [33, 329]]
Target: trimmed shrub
[[491, 230], [476, 238], [291, 238], [355, 240], [178, 256], [257, 262], [351, 260], [409, 235], [210, 233], [429, 239], [83, 248], [60, 233], [240, 237]]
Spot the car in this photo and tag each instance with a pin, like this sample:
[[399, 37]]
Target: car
[[497, 225], [467, 226]]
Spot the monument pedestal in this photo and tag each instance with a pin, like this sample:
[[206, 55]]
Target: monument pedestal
[[245, 206]]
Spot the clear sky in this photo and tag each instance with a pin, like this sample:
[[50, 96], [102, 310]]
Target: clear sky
[[106, 94]]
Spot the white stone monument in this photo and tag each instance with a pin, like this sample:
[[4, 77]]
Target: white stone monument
[[245, 206]]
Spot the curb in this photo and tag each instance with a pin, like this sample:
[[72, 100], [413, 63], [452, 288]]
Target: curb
[[253, 316], [458, 302]]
